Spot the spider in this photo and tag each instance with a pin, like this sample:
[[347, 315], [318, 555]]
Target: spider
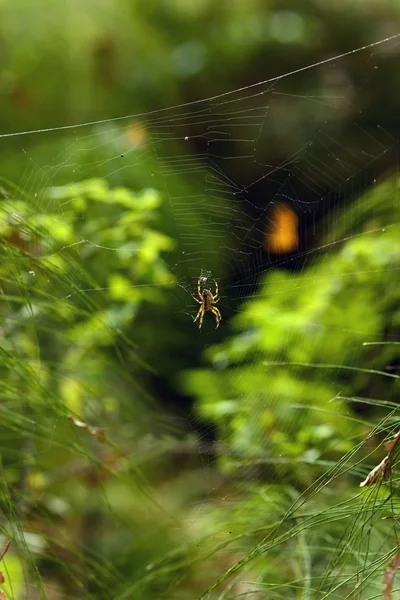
[[207, 301]]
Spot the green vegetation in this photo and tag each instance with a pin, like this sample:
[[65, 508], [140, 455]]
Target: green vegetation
[[316, 333], [297, 420], [141, 457]]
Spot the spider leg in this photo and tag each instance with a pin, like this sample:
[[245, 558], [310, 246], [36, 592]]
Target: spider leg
[[215, 299], [198, 314], [217, 314], [201, 319], [198, 289], [216, 289], [201, 315], [194, 298]]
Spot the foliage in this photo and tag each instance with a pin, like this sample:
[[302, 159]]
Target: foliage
[[45, 254], [61, 354], [133, 463], [289, 419]]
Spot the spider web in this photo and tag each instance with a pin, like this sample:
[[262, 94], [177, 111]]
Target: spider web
[[210, 161]]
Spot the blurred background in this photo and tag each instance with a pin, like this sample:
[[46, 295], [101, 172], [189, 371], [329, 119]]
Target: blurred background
[[148, 149]]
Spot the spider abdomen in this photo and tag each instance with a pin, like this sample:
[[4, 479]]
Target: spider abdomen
[[207, 299]]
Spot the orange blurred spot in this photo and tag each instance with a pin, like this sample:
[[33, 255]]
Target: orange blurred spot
[[136, 134], [21, 97], [282, 233]]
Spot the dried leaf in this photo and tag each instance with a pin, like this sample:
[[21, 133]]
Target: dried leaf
[[387, 470], [5, 550], [3, 595], [389, 575], [381, 471], [392, 443]]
